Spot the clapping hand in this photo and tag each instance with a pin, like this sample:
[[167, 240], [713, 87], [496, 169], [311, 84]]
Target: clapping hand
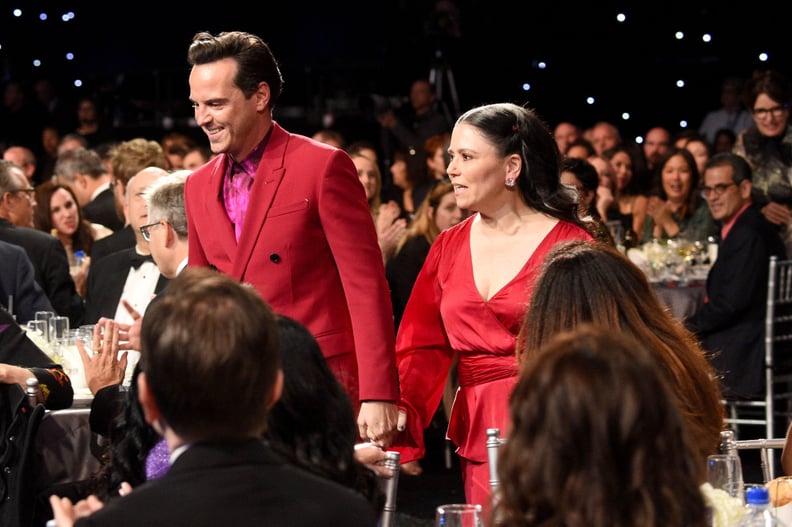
[[103, 367]]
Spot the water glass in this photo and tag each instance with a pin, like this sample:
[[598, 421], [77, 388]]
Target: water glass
[[47, 317], [60, 328], [459, 515], [725, 472]]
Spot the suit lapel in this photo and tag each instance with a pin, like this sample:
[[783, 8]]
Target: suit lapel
[[215, 209], [268, 177]]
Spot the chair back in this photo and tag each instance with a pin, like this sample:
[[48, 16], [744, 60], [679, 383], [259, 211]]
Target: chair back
[[765, 447], [494, 442]]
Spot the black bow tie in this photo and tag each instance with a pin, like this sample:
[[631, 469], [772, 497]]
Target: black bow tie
[[135, 260]]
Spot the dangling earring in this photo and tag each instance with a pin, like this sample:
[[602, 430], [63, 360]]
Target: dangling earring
[[510, 182]]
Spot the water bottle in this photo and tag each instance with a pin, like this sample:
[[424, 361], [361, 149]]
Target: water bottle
[[759, 512]]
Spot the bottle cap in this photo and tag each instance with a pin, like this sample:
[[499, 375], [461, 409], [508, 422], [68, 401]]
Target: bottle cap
[[757, 495], [80, 254]]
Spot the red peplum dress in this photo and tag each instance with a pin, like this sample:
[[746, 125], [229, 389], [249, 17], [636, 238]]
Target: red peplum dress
[[446, 315]]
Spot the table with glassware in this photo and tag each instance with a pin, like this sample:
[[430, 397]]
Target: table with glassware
[[677, 270]]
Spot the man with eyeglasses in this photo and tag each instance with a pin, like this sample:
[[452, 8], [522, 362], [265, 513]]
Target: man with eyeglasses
[[731, 321], [126, 280], [46, 252]]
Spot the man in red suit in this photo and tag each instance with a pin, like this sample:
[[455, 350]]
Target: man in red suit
[[289, 216]]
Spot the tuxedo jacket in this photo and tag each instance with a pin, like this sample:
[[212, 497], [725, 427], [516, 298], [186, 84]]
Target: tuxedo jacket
[[309, 246], [731, 322], [235, 484], [102, 210], [51, 268], [121, 239], [106, 280], [17, 280]]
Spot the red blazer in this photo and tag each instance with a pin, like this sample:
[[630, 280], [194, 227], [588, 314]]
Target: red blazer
[[309, 246]]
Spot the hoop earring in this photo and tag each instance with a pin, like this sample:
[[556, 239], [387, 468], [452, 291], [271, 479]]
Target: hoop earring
[[510, 182]]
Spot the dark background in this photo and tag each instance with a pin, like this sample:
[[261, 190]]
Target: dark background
[[336, 55]]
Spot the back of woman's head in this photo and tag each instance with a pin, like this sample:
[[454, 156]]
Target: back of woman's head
[[596, 440], [592, 283], [313, 423]]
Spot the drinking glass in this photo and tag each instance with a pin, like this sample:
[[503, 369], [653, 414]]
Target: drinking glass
[[36, 330], [725, 472], [46, 316], [60, 327], [458, 515]]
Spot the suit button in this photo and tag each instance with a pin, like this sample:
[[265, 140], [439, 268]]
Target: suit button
[[274, 258]]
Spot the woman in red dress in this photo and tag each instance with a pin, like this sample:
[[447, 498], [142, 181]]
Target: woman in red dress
[[475, 285]]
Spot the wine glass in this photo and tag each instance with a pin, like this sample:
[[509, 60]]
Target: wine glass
[[458, 515]]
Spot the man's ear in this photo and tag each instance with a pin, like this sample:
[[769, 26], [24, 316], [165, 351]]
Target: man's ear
[[150, 409], [276, 391]]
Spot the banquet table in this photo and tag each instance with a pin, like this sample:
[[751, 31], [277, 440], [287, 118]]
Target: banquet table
[[683, 299]]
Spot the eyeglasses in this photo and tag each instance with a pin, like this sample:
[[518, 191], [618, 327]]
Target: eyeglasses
[[777, 111], [717, 190], [28, 191], [145, 229]]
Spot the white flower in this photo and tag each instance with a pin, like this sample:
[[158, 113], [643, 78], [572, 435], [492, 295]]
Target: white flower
[[726, 511]]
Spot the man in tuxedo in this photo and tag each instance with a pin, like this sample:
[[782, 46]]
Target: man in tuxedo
[[129, 274], [731, 321], [82, 170], [127, 159], [210, 330], [307, 241], [46, 253]]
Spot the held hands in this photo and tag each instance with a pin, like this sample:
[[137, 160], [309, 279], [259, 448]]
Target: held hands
[[377, 422]]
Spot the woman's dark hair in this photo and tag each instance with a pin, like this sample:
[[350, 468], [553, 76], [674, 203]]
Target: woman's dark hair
[[82, 239], [513, 129], [313, 423], [694, 198]]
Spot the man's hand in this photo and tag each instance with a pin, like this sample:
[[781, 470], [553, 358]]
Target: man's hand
[[103, 368], [129, 336], [377, 422], [66, 514], [777, 213]]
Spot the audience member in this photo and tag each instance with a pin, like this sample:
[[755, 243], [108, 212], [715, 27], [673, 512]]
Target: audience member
[[604, 389], [20, 359], [175, 145], [675, 207], [325, 443], [408, 127], [436, 150], [330, 137], [465, 302], [767, 147], [318, 263], [605, 188], [389, 224], [211, 330], [605, 136], [48, 156], [90, 123], [701, 150], [725, 140], [411, 182], [20, 295], [59, 214], [655, 146], [584, 283], [581, 175], [82, 170], [197, 156], [46, 253], [629, 203], [566, 133], [580, 148], [127, 159], [732, 115], [438, 212], [21, 117], [731, 322], [129, 274], [71, 141], [24, 158]]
